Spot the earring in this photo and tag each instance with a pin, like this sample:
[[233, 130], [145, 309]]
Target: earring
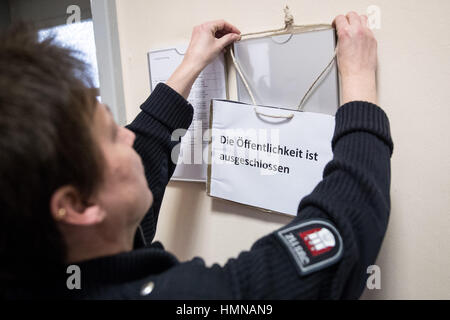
[[61, 213]]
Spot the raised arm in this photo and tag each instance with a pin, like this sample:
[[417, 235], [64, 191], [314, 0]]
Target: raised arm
[[325, 251], [167, 110]]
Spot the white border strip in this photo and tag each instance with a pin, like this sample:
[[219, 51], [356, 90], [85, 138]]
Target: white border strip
[[104, 17]]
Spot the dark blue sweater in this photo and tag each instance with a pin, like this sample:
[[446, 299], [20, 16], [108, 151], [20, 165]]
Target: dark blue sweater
[[353, 197]]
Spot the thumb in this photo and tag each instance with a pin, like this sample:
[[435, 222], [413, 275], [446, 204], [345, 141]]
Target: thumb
[[228, 39]]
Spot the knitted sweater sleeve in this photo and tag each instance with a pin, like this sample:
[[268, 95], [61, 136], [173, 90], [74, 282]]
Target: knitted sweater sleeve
[[353, 196], [161, 114]]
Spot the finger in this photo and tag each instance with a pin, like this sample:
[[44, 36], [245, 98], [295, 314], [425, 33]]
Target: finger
[[364, 20], [223, 26], [340, 22], [353, 18], [228, 39]]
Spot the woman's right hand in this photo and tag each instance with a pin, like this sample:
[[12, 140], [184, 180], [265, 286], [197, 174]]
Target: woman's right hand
[[207, 42], [356, 57]]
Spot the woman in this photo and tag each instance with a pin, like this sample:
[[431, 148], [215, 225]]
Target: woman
[[76, 189]]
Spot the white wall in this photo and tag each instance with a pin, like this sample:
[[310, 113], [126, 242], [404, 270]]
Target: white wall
[[414, 77]]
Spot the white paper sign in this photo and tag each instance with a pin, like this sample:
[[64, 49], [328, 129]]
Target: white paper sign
[[209, 84], [266, 162]]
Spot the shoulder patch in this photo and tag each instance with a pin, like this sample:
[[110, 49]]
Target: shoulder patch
[[313, 244]]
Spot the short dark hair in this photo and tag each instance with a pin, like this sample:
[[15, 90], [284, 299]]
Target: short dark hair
[[46, 141]]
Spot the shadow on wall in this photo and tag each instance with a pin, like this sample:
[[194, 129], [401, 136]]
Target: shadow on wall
[[187, 201], [379, 293], [228, 207], [187, 217], [389, 259]]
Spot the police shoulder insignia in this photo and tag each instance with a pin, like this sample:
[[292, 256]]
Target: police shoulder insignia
[[313, 244]]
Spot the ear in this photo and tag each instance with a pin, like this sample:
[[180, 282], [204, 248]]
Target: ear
[[67, 206]]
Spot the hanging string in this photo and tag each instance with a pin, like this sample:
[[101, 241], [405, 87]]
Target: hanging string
[[288, 28], [238, 68], [319, 77]]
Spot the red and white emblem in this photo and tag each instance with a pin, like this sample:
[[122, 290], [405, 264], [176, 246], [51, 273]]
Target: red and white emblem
[[313, 244], [318, 240]]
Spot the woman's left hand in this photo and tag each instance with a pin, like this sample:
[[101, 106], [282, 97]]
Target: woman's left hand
[[207, 41]]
